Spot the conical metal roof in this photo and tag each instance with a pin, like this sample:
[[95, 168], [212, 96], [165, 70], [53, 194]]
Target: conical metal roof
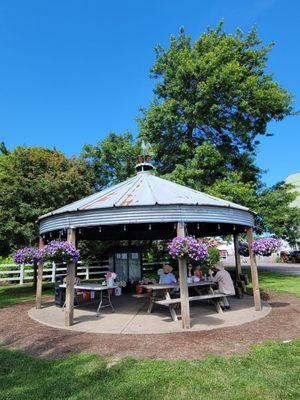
[[144, 189]]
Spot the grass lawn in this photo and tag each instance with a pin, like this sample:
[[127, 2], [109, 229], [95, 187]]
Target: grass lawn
[[13, 294], [270, 371], [280, 283]]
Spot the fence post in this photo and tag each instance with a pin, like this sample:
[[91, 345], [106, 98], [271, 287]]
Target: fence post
[[53, 271], [21, 274], [87, 272]]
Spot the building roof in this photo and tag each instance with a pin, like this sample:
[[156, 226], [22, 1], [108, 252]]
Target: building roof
[[144, 189]]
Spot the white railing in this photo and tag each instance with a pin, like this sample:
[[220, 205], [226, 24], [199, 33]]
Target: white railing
[[24, 273]]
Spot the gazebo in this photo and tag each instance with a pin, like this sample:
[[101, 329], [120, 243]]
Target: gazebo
[[146, 207]]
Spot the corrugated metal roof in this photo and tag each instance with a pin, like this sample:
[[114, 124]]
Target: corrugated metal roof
[[144, 189]]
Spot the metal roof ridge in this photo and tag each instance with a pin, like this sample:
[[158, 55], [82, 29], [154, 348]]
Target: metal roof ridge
[[108, 190], [202, 193], [148, 182], [136, 179]]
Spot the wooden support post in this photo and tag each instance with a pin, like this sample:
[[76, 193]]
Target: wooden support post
[[39, 284], [184, 290], [53, 272], [254, 274], [35, 275], [237, 256], [21, 274], [70, 280]]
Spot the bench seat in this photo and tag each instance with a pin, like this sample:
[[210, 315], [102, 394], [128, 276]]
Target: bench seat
[[210, 296]]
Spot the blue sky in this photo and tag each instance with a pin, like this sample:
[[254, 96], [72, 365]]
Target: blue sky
[[72, 71]]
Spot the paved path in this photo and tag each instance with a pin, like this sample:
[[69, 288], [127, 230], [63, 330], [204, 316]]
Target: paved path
[[285, 269]]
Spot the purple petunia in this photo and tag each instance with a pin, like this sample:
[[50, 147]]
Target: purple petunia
[[260, 247], [60, 252], [27, 255], [266, 246], [187, 247], [244, 249]]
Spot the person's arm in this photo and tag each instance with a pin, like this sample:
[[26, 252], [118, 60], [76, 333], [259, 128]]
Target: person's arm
[[215, 278]]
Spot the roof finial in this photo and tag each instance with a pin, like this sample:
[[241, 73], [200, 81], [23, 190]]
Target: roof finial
[[144, 160]]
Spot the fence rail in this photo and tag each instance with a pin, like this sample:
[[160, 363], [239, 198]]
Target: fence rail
[[22, 273]]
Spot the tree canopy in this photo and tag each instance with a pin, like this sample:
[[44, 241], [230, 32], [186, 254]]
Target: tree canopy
[[111, 160], [215, 90], [34, 181]]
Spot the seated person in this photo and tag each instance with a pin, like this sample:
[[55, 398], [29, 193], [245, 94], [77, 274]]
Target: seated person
[[225, 285], [198, 273], [166, 276]]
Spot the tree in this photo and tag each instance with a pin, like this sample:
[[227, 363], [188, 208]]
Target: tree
[[111, 160], [272, 206], [278, 215], [3, 148], [215, 90], [34, 181]]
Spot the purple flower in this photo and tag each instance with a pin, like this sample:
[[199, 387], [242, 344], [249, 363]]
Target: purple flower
[[187, 247], [244, 249], [261, 247], [266, 246], [60, 252], [27, 255]]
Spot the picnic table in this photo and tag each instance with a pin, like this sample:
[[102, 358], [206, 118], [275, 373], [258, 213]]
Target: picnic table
[[161, 295], [95, 287]]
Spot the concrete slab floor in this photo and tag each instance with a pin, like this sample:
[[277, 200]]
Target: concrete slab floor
[[131, 317]]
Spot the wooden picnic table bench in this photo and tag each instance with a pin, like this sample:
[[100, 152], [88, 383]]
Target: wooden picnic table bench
[[164, 289]]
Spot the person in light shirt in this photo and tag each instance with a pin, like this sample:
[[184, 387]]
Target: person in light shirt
[[166, 276], [225, 285]]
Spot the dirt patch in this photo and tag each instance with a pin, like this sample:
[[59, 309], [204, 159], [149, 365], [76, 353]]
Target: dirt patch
[[17, 330]]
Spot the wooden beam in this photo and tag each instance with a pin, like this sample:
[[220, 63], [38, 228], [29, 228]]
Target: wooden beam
[[184, 290], [39, 283], [237, 256], [254, 273], [35, 267], [70, 280]]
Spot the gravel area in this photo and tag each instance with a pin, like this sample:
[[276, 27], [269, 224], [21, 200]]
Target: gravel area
[[17, 330]]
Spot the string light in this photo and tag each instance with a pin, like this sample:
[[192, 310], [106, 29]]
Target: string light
[[150, 227], [124, 227], [100, 229], [219, 226], [234, 227], [198, 226]]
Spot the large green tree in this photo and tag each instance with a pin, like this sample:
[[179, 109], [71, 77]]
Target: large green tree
[[34, 181], [112, 159], [213, 99], [214, 90]]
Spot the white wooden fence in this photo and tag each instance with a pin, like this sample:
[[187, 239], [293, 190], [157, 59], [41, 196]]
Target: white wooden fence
[[25, 273]]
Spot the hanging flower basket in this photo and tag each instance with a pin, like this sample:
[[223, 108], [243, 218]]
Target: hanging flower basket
[[261, 247], [27, 255], [244, 249], [187, 247], [60, 252], [266, 246]]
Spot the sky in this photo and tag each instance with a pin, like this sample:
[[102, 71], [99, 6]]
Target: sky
[[74, 70]]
